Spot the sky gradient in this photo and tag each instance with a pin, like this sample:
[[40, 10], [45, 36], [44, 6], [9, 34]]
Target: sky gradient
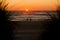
[[32, 4]]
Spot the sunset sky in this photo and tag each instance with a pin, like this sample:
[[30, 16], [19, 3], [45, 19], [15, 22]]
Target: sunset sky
[[32, 4]]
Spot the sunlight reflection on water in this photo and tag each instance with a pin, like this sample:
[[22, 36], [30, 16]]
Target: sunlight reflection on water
[[31, 16]]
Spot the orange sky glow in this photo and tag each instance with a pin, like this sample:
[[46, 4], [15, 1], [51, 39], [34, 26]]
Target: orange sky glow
[[32, 4]]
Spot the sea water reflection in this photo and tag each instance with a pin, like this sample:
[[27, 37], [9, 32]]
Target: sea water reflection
[[30, 16]]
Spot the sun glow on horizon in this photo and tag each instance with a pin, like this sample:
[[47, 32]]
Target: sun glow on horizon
[[32, 5], [27, 9]]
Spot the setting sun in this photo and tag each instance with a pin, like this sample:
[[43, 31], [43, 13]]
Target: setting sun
[[26, 9]]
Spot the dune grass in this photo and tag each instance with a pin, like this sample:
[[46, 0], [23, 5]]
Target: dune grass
[[3, 11]]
